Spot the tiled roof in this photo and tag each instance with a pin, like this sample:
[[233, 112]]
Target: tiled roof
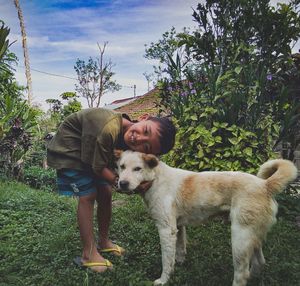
[[136, 106], [120, 102]]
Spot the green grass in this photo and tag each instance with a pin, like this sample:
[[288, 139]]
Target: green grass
[[39, 239]]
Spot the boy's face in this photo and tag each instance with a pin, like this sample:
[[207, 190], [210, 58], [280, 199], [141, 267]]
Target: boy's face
[[143, 136]]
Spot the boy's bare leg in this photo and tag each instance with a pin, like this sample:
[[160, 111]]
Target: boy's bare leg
[[104, 199], [85, 213]]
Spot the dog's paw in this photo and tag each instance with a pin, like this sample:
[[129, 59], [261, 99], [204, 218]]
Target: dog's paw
[[255, 271], [180, 258], [159, 282]]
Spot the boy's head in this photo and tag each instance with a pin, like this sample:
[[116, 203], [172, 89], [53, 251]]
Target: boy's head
[[155, 135]]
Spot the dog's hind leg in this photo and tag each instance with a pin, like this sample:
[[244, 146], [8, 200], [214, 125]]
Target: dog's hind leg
[[242, 250], [181, 244], [257, 262]]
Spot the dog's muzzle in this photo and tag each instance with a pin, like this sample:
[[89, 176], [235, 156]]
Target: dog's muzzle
[[123, 188], [140, 189]]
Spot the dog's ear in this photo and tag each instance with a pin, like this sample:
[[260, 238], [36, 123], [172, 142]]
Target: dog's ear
[[151, 160], [118, 153]]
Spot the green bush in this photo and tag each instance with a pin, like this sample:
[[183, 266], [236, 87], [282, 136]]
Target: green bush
[[37, 153], [221, 147], [18, 120], [39, 178], [234, 68]]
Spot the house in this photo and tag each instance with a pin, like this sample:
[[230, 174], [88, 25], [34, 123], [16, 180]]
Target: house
[[138, 105]]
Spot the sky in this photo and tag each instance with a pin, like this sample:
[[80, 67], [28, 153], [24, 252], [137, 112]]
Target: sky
[[61, 31]]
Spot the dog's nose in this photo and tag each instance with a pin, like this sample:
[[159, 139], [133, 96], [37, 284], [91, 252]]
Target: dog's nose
[[124, 184]]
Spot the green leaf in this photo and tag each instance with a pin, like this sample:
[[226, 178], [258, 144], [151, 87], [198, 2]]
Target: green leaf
[[194, 136], [200, 153], [234, 140], [238, 69], [227, 154], [201, 165], [248, 151], [218, 139]]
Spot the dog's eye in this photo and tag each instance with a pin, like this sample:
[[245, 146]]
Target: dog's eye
[[122, 167], [136, 169]]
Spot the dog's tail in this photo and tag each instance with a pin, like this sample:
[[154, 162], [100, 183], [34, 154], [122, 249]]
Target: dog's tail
[[277, 173]]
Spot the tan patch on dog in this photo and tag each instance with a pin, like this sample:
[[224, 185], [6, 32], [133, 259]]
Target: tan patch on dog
[[118, 153], [188, 188], [255, 209], [151, 160]]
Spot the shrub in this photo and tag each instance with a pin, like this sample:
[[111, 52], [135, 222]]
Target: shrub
[[18, 121], [39, 178], [222, 147], [236, 69]]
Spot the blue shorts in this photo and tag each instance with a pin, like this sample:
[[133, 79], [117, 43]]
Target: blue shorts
[[72, 182]]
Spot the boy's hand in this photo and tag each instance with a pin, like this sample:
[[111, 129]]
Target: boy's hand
[[109, 176], [115, 182]]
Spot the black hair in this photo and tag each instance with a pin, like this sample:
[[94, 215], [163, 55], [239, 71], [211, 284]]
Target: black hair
[[167, 133]]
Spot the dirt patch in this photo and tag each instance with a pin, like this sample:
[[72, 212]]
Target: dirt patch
[[119, 203]]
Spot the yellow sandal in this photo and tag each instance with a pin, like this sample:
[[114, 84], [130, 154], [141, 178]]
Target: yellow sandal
[[116, 250], [77, 260]]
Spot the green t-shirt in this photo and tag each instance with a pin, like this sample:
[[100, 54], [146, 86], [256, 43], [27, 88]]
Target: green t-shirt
[[85, 140]]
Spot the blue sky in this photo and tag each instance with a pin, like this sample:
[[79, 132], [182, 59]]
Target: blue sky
[[61, 31]]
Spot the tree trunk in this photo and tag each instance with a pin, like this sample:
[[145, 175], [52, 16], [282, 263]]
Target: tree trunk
[[25, 51]]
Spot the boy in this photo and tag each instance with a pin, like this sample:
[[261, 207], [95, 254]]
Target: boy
[[82, 153]]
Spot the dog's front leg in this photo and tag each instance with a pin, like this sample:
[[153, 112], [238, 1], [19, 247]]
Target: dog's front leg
[[167, 235]]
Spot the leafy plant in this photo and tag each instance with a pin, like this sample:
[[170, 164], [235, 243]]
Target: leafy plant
[[18, 121], [5, 56], [221, 147], [73, 105], [237, 69], [39, 178]]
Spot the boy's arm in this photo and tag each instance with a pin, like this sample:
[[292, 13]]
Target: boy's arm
[[108, 175]]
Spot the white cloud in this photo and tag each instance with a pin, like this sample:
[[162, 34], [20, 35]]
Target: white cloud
[[57, 37]]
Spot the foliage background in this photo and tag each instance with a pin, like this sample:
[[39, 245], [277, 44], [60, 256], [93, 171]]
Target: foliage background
[[231, 84]]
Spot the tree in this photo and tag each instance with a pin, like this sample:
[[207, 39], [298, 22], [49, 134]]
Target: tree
[[58, 110], [235, 85], [25, 51], [73, 105], [163, 50], [149, 78], [95, 78], [55, 105]]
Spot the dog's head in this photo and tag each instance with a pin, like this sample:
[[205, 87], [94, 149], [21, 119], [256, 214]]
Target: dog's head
[[135, 169]]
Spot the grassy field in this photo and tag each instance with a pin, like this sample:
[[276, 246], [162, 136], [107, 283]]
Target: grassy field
[[39, 239]]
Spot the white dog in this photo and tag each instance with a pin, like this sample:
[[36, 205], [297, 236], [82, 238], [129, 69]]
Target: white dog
[[176, 197]]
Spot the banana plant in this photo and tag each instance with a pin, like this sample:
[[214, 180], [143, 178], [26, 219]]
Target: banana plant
[[4, 42], [18, 121]]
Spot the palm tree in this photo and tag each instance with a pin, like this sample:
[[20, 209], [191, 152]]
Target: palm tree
[[25, 51]]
